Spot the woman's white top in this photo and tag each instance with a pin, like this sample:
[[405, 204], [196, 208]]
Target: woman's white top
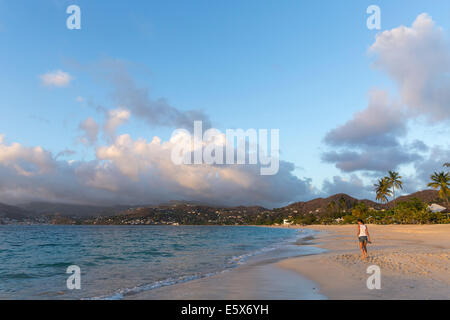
[[362, 230]]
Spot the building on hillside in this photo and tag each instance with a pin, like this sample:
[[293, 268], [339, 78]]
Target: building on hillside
[[434, 207]]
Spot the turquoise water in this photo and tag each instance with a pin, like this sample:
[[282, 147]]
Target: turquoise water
[[122, 260]]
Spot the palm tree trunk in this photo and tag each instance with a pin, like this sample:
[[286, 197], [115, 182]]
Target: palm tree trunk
[[393, 192], [448, 207]]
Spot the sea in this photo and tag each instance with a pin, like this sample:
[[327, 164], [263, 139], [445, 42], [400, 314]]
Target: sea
[[36, 262]]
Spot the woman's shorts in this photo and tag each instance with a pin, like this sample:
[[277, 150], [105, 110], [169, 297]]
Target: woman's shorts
[[363, 239]]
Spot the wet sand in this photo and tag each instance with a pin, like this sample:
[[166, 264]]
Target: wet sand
[[260, 282]]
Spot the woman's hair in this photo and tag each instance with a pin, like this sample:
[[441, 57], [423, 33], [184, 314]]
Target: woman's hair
[[360, 220]]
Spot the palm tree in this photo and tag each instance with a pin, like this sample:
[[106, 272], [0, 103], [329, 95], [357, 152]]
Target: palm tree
[[394, 182], [382, 190], [441, 180]]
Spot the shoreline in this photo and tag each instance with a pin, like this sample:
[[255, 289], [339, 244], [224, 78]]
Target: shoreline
[[249, 282], [259, 278]]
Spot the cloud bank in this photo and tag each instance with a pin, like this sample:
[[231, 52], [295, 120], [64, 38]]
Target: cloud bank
[[131, 171]]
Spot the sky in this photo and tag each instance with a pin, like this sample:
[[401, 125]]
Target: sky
[[88, 114]]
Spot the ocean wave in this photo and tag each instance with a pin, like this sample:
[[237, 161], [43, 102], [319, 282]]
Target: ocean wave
[[17, 276], [52, 265], [300, 238], [234, 261], [243, 258]]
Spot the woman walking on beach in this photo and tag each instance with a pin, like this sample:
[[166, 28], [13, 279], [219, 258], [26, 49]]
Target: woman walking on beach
[[364, 237]]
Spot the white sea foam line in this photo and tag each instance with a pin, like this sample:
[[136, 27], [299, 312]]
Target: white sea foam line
[[155, 285]]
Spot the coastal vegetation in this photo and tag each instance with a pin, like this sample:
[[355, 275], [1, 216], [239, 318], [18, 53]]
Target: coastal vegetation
[[382, 190], [441, 181], [409, 211], [394, 181]]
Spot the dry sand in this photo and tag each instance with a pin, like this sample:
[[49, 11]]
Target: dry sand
[[414, 261]]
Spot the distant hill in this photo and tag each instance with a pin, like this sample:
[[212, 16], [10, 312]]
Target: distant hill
[[427, 196], [185, 203], [13, 212], [72, 210], [341, 200]]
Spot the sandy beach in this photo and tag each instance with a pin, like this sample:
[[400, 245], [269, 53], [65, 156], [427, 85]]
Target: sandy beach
[[414, 261]]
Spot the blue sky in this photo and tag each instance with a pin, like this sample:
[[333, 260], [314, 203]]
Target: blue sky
[[300, 66]]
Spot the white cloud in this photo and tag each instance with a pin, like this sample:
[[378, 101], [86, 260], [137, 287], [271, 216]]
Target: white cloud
[[25, 161], [371, 159], [89, 129], [418, 59], [380, 124], [114, 119], [353, 186], [437, 156], [56, 78], [156, 112]]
